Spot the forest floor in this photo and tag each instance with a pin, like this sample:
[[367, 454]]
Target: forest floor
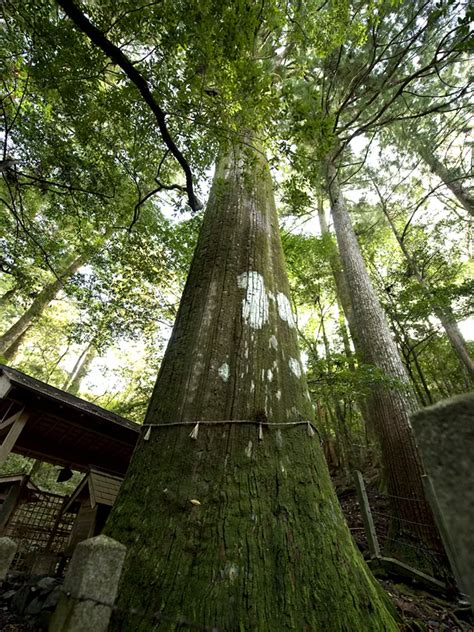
[[420, 609]]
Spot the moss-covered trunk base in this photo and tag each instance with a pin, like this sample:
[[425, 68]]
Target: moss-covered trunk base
[[265, 549]]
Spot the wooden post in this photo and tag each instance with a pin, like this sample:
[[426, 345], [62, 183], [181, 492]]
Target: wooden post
[[9, 504], [16, 427], [369, 526]]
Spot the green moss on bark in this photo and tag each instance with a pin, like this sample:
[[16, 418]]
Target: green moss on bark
[[267, 547]]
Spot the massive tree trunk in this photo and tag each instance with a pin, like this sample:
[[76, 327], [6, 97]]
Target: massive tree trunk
[[392, 403], [236, 530], [443, 312], [450, 177]]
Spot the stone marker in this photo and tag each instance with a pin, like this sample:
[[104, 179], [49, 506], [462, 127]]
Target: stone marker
[[445, 436], [8, 549], [90, 586]]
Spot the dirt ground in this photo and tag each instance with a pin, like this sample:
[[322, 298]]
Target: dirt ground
[[420, 609]]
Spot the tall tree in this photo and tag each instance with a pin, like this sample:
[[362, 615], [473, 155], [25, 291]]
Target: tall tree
[[240, 521], [393, 402], [358, 89]]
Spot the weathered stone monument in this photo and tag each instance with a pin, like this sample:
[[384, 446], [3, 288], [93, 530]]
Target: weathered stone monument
[[8, 549], [90, 587], [445, 436]]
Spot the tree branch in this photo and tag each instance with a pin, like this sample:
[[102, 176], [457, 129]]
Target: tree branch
[[117, 56]]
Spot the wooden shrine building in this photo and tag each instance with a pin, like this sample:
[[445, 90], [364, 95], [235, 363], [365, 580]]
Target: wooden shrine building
[[52, 426]]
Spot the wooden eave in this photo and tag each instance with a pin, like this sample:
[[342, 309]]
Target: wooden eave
[[102, 488], [63, 429], [18, 478]]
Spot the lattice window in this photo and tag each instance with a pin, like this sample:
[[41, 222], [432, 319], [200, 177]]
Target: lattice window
[[38, 526]]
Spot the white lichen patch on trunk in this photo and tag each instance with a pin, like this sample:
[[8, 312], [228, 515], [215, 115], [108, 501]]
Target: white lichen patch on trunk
[[255, 303], [269, 375], [279, 438], [224, 371], [284, 309], [278, 394], [273, 343], [231, 571], [295, 366]]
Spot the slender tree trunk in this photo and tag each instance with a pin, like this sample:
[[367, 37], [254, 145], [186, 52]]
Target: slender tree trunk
[[40, 303], [229, 531], [342, 288], [443, 312], [423, 381], [46, 295], [344, 298], [8, 295], [80, 370], [413, 379], [392, 403], [345, 335], [339, 422], [403, 343], [11, 351], [450, 177]]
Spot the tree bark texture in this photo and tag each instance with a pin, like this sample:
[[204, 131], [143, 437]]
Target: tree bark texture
[[392, 403], [231, 531]]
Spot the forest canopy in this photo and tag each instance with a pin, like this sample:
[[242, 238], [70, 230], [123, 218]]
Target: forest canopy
[[113, 115]]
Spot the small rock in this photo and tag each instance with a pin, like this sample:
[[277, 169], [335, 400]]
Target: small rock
[[35, 606], [52, 599], [46, 584], [21, 598]]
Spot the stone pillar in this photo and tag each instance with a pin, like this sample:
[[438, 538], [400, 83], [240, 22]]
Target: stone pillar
[[90, 586], [445, 435], [8, 549]]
